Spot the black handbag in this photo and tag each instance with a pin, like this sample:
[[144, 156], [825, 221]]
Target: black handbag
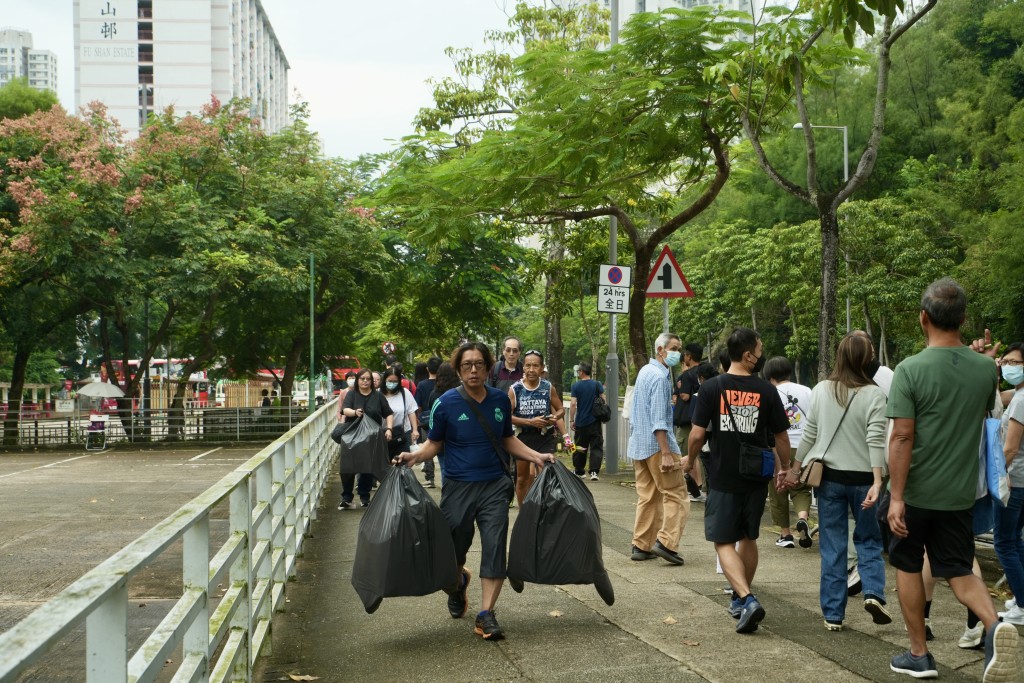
[[755, 463], [601, 411]]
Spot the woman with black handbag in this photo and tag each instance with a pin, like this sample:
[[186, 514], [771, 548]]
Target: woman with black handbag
[[845, 437], [363, 400], [403, 408]]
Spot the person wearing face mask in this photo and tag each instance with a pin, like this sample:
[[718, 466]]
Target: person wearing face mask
[[1010, 520], [743, 411], [403, 406], [663, 507]]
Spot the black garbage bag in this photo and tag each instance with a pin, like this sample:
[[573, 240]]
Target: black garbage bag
[[404, 547], [364, 450], [557, 537]]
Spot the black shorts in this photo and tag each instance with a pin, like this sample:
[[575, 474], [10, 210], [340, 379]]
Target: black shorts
[[947, 535], [731, 517], [483, 504], [542, 443]]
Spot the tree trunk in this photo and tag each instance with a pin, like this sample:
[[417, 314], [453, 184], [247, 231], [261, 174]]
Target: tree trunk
[[21, 356], [588, 330], [291, 368], [552, 309], [637, 301], [829, 283]]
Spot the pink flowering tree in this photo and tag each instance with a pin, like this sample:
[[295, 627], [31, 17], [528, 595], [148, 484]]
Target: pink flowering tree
[[59, 228]]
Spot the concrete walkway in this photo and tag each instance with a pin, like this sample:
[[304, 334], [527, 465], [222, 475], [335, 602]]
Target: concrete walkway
[[568, 634]]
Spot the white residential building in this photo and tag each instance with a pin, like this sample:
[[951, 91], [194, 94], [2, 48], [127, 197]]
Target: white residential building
[[18, 59], [139, 56]]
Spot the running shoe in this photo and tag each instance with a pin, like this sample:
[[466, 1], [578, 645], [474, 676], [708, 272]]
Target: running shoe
[[487, 626], [457, 601], [428, 484], [1013, 615], [876, 608], [833, 625], [344, 505], [1001, 655], [698, 499], [972, 637], [593, 476], [918, 667], [751, 616], [786, 541], [735, 608], [805, 533]]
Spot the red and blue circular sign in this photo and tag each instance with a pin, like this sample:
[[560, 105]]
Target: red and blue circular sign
[[614, 275]]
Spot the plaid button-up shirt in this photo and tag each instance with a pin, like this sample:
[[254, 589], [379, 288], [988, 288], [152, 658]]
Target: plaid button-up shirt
[[652, 411]]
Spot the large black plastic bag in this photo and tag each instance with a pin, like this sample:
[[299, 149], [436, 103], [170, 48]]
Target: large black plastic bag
[[557, 537], [405, 546], [364, 450]]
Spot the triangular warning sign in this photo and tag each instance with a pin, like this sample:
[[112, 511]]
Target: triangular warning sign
[[666, 280]]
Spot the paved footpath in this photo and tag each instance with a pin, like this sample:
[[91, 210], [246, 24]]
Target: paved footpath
[[567, 633]]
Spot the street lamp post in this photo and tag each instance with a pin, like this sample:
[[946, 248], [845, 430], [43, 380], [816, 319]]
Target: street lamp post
[[612, 360], [846, 178]]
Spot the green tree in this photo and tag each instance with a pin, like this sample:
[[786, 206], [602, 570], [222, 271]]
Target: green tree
[[18, 99]]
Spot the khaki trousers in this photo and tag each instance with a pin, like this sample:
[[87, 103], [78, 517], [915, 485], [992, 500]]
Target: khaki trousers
[[662, 507]]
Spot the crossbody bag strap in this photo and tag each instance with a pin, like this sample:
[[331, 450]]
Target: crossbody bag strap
[[498, 450], [848, 404], [728, 407]]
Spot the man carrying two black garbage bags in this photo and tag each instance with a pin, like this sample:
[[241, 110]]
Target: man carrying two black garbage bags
[[474, 426]]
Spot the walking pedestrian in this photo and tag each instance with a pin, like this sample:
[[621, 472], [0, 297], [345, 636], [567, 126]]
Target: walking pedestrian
[[364, 400], [938, 400], [845, 432], [743, 411], [474, 425], [1009, 541], [662, 506], [587, 432], [509, 369], [403, 407], [536, 410], [796, 398]]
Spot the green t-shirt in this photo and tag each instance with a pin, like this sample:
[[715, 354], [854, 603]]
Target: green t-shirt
[[947, 392]]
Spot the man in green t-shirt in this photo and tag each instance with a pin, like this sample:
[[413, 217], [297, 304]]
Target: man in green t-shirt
[[937, 403]]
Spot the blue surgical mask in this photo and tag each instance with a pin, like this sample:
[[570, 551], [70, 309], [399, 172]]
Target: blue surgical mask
[[672, 358], [1014, 374], [392, 386]]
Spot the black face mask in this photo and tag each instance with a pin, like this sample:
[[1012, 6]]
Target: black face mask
[[759, 365], [872, 367]]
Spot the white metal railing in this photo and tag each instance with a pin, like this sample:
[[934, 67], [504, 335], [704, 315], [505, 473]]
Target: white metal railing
[[272, 499]]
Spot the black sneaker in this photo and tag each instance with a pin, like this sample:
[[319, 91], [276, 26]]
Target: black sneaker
[[876, 608], [365, 503], [641, 555], [487, 626], [457, 602], [918, 667], [1001, 654], [666, 554], [345, 505], [853, 582], [805, 533]]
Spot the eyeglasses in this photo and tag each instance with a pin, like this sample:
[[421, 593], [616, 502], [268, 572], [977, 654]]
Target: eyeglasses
[[473, 365], [1011, 363]]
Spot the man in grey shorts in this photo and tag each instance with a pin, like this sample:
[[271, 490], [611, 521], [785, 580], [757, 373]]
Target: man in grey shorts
[[467, 423]]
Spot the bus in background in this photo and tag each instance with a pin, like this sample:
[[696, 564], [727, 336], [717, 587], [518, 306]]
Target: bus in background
[[341, 366]]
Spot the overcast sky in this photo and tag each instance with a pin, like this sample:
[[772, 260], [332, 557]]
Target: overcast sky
[[361, 64]]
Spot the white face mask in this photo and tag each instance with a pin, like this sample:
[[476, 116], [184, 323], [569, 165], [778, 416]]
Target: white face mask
[[351, 382]]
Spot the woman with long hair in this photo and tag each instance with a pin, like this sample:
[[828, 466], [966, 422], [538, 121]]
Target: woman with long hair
[[360, 401], [845, 430], [536, 410]]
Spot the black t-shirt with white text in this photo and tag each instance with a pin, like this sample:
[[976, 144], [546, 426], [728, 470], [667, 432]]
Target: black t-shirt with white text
[[758, 414]]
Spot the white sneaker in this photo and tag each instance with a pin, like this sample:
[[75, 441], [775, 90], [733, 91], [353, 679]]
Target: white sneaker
[[1013, 616], [593, 476], [972, 637], [1010, 604]]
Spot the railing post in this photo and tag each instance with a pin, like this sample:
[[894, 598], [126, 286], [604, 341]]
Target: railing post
[[238, 425], [70, 435], [278, 544], [241, 573], [292, 466], [106, 640], [35, 425], [196, 574], [264, 569]]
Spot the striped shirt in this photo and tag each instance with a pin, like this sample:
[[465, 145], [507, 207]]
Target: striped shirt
[[652, 411]]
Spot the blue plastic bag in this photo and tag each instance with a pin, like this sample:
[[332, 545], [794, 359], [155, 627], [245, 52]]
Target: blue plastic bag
[[995, 462]]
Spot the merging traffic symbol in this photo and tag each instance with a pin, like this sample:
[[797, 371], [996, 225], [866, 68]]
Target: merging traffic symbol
[[666, 280]]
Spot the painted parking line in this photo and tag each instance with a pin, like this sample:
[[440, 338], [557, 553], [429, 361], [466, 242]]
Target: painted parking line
[[52, 464], [206, 453]]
